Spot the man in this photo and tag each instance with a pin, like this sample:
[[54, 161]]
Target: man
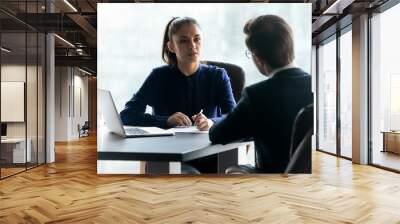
[[267, 109]]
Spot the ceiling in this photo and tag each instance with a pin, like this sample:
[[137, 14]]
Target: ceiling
[[76, 22]]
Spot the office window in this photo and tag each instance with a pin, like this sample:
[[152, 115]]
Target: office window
[[22, 95], [385, 87], [346, 94], [327, 96], [130, 36]]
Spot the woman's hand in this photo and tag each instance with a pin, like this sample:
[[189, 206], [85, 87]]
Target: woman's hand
[[202, 122], [179, 119]]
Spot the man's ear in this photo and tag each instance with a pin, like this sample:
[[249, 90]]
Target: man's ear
[[266, 69], [171, 46], [259, 61]]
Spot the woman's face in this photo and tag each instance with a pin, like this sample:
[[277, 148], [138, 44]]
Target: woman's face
[[186, 43]]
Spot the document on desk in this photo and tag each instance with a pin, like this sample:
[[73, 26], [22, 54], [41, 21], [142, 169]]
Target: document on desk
[[188, 129]]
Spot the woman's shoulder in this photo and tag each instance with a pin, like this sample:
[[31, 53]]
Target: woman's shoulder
[[216, 71], [212, 68], [160, 72], [162, 69]]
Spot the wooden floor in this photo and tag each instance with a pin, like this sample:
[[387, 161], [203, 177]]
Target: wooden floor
[[10, 171], [5, 172], [387, 159], [70, 191]]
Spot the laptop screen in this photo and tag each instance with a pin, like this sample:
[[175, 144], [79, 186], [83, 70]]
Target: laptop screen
[[3, 129]]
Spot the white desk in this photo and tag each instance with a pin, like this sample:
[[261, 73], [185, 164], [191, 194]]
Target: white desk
[[18, 149]]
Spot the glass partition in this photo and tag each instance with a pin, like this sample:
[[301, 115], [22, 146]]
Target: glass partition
[[327, 96], [31, 100], [13, 106], [346, 94], [22, 91], [385, 89]]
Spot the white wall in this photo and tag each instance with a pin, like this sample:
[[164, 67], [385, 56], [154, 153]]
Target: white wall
[[16, 73], [80, 110], [33, 126], [71, 102], [12, 73], [61, 103]]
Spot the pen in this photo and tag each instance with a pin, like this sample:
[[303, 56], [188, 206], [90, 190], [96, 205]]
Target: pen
[[195, 116]]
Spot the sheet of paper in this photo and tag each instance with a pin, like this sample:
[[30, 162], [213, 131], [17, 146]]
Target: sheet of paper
[[188, 129]]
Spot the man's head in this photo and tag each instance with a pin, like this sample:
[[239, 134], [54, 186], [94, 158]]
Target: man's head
[[270, 40]]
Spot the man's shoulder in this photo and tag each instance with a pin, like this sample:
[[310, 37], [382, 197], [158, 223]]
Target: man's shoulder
[[259, 86], [289, 75], [272, 87]]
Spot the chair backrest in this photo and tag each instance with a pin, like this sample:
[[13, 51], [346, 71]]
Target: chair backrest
[[300, 143], [236, 75], [86, 125]]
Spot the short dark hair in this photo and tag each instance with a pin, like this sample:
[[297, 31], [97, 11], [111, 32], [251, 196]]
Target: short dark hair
[[270, 38], [172, 27]]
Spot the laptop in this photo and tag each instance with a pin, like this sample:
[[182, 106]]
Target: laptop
[[3, 131], [114, 124]]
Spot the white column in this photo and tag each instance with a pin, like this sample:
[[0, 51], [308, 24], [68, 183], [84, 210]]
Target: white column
[[50, 92], [314, 90], [360, 90], [50, 101]]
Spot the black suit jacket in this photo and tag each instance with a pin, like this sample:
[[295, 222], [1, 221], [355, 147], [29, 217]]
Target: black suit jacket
[[266, 112]]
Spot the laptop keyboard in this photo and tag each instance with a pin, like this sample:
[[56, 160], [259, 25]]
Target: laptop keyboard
[[135, 131]]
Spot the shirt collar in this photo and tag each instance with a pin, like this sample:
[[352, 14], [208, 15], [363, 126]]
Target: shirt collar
[[199, 67], [291, 65]]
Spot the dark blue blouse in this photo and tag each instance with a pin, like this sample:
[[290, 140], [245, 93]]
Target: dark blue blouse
[[167, 90]]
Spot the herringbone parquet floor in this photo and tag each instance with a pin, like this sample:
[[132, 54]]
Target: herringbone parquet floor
[[70, 191]]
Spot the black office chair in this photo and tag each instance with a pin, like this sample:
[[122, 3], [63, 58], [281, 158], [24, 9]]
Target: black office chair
[[300, 146], [236, 75], [237, 78], [188, 169], [84, 130]]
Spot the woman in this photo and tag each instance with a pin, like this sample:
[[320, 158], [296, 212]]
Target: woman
[[183, 92]]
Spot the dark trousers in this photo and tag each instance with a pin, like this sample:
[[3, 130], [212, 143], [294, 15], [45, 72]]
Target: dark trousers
[[207, 164], [217, 163]]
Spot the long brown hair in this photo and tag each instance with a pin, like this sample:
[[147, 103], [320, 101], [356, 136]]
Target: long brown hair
[[172, 27]]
